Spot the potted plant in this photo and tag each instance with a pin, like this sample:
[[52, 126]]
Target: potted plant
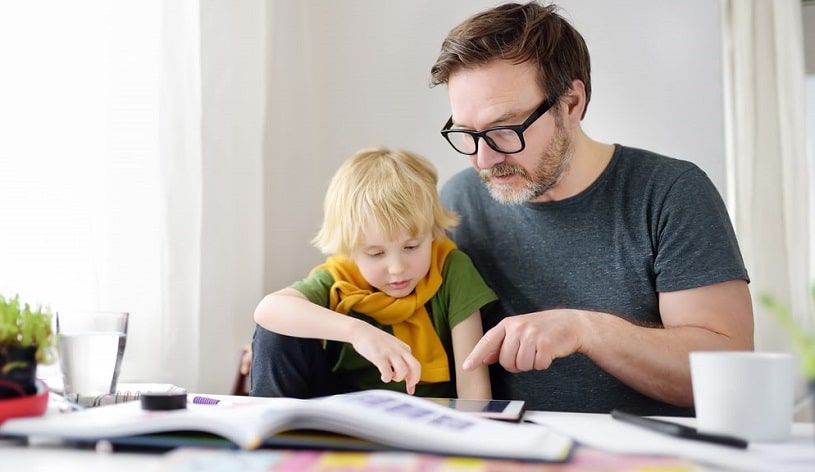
[[26, 340], [804, 343]]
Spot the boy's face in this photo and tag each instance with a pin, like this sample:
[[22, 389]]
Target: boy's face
[[393, 266]]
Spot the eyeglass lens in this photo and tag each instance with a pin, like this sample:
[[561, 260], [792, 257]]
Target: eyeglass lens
[[504, 140]]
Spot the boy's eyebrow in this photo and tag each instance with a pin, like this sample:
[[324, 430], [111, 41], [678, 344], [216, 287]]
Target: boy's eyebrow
[[413, 239], [370, 247]]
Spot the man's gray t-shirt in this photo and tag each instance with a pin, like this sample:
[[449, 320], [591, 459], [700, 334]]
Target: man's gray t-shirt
[[648, 224]]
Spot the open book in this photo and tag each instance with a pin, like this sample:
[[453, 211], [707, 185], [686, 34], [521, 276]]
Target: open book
[[370, 419]]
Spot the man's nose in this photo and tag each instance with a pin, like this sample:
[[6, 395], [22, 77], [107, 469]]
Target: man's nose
[[487, 157]]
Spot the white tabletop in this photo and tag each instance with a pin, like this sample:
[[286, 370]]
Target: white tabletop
[[602, 432], [597, 431], [16, 456]]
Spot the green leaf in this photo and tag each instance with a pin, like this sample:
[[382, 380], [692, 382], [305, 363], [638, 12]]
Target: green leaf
[[803, 343], [22, 325]]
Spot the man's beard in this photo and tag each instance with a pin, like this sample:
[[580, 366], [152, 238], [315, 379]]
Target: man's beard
[[553, 163]]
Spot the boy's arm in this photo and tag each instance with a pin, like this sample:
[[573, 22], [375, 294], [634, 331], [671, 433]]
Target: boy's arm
[[474, 384], [289, 312]]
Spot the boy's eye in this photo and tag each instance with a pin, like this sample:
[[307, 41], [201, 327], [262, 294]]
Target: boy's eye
[[411, 247], [374, 254]]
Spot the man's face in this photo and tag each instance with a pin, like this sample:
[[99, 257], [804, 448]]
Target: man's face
[[502, 93]]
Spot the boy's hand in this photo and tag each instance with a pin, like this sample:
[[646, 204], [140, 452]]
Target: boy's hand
[[389, 354]]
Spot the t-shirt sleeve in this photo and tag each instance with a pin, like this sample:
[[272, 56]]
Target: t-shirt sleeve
[[316, 287], [463, 290], [695, 241]]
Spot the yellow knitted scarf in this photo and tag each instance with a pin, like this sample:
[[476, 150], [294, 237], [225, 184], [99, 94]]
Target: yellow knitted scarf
[[407, 315]]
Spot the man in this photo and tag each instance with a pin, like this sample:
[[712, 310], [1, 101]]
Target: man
[[610, 263]]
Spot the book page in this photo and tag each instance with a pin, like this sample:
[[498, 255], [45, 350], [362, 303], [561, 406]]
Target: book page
[[382, 417]]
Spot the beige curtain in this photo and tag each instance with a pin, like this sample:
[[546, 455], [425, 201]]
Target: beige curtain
[[768, 174], [213, 102]]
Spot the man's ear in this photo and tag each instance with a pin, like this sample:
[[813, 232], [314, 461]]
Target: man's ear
[[575, 99]]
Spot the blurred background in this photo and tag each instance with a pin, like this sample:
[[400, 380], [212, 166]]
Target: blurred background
[[170, 158]]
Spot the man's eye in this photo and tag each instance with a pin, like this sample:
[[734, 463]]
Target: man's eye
[[502, 133]]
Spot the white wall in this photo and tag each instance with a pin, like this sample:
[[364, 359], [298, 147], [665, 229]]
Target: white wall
[[357, 74]]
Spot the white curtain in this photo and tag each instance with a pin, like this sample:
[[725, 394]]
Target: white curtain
[[768, 172], [181, 196], [213, 104]]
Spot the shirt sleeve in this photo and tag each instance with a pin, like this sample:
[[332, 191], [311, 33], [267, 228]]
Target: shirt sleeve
[[316, 287], [694, 238], [463, 290]]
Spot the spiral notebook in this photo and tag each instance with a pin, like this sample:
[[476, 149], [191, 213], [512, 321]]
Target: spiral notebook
[[126, 392]]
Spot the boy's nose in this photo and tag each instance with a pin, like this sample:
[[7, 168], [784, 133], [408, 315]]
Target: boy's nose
[[396, 266]]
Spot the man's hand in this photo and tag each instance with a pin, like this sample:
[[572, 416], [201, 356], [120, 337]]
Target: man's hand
[[526, 342]]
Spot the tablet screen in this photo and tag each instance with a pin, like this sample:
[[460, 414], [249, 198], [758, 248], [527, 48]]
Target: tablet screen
[[509, 410]]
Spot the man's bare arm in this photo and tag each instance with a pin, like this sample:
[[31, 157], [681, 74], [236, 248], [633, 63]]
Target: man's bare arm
[[652, 360]]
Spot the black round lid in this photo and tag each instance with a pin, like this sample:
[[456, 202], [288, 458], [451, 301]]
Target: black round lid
[[174, 400]]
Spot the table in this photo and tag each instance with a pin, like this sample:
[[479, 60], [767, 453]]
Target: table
[[16, 457], [606, 444], [604, 433]]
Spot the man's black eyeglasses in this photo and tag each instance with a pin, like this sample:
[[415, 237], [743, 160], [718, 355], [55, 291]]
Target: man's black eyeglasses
[[504, 139]]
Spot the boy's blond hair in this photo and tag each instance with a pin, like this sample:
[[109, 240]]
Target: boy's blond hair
[[395, 190]]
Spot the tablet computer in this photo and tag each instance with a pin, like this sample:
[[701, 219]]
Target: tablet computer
[[506, 410]]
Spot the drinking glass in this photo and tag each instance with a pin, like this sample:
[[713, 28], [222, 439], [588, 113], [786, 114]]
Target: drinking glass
[[91, 348]]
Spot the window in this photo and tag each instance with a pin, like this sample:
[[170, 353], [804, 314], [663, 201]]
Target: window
[[79, 192]]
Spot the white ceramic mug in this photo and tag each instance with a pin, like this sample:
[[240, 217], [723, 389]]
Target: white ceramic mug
[[743, 393]]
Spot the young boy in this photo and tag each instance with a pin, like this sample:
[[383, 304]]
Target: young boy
[[395, 305]]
